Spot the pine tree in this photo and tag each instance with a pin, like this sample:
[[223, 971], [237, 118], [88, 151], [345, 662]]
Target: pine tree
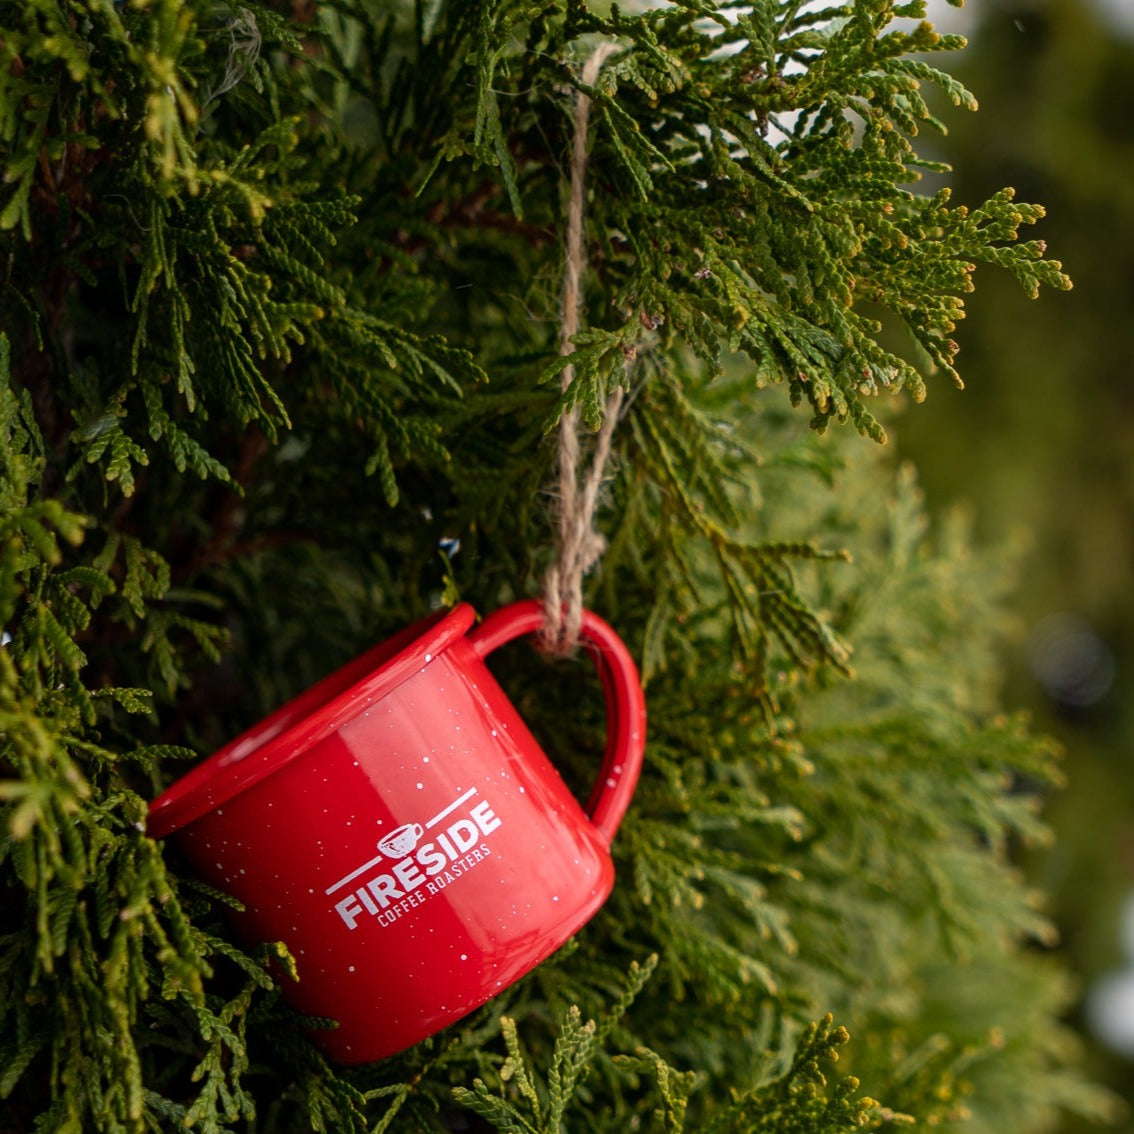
[[279, 373]]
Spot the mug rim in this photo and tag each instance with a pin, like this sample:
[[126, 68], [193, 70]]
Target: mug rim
[[304, 721]]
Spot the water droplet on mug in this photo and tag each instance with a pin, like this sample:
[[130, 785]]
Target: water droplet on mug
[[420, 786], [611, 781], [428, 657], [350, 968]]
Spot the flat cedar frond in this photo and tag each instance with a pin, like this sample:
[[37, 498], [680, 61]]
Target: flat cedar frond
[[525, 1102], [692, 462]]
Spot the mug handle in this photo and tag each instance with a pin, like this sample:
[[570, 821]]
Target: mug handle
[[622, 691]]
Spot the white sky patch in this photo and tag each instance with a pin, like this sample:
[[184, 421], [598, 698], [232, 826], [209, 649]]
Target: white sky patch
[[1119, 14], [1110, 1002], [949, 20]]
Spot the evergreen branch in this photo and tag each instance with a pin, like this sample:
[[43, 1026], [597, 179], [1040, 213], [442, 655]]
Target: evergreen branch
[[525, 1104], [799, 1096], [762, 596]]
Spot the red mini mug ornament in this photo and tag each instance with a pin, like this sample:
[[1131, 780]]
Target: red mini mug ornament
[[402, 832]]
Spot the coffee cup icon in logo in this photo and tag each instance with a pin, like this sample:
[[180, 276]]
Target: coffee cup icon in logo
[[400, 842]]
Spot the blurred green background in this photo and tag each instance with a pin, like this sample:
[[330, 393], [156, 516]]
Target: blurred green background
[[1041, 444]]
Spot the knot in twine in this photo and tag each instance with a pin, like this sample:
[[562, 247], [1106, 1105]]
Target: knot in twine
[[579, 544]]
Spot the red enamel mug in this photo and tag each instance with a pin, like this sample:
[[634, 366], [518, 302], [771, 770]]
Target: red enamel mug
[[402, 832]]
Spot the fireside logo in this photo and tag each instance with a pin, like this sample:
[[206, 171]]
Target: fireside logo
[[408, 872]]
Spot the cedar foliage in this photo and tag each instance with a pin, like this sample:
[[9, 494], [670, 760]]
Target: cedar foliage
[[278, 374]]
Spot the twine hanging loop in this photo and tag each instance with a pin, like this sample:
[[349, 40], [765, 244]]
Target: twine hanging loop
[[579, 544]]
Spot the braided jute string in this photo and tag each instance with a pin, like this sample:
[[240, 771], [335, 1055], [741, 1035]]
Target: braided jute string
[[579, 544]]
